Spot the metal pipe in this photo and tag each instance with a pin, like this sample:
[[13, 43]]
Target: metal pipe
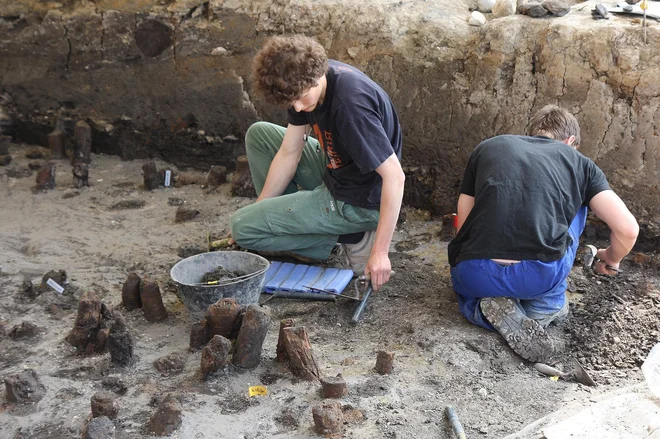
[[362, 304], [455, 423]]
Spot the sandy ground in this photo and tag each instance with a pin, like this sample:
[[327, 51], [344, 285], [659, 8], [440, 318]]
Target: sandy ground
[[440, 358]]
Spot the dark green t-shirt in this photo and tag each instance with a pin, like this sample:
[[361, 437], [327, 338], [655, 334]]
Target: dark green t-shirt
[[527, 192]]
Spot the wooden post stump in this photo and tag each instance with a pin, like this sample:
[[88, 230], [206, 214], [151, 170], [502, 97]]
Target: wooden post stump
[[220, 317], [56, 144], [299, 350], [120, 342], [384, 362], [328, 418], [215, 355], [151, 176], [281, 356], [130, 292], [198, 335], [241, 183], [152, 301], [333, 387], [83, 146], [217, 175], [46, 177], [80, 175], [251, 337]]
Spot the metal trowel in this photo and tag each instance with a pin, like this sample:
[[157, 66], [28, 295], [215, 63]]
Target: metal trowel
[[577, 374]]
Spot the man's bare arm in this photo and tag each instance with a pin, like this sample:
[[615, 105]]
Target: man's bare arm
[[465, 205], [379, 266], [284, 164], [624, 228]]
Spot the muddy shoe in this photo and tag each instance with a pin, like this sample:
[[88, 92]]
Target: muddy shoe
[[525, 336]]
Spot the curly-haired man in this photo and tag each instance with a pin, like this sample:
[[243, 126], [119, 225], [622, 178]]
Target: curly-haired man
[[345, 184], [521, 210]]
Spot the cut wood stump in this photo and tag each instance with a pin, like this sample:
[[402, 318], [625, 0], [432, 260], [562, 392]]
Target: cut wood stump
[[281, 356], [46, 177], [152, 301], [328, 418], [299, 350], [56, 144], [198, 335], [215, 355], [241, 183], [83, 146], [80, 175], [217, 175], [384, 362], [333, 387], [130, 292], [251, 337], [220, 317], [151, 176]]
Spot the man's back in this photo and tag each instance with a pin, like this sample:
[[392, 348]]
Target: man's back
[[527, 191]]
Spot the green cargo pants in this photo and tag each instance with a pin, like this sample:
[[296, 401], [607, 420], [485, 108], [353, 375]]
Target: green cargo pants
[[305, 221]]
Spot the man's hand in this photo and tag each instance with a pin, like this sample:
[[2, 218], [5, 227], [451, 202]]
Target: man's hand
[[379, 269], [231, 238], [601, 263]]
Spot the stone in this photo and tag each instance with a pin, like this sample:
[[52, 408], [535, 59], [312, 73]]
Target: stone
[[29, 290], [152, 301], [215, 355], [328, 418], [485, 5], [58, 276], [504, 8], [130, 292], [476, 19], [219, 51], [556, 7], [104, 404], [24, 387], [534, 10], [24, 330], [46, 177], [120, 342], [600, 11], [99, 428], [168, 365], [167, 417]]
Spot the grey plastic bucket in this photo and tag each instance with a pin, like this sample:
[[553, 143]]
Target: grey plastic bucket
[[188, 273]]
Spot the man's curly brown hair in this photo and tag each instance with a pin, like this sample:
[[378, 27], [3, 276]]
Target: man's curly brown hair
[[286, 66]]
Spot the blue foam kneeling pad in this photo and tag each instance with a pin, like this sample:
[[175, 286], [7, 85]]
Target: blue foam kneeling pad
[[297, 277]]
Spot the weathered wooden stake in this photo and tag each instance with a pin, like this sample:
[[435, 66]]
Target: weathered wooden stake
[[241, 183], [217, 175], [56, 144], [299, 350], [83, 147], [46, 177], [384, 362], [80, 175], [333, 387], [130, 292], [151, 176], [328, 418], [152, 301], [220, 317], [281, 356], [251, 337]]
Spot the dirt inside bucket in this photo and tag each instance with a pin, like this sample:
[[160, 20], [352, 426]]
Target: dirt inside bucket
[[221, 274]]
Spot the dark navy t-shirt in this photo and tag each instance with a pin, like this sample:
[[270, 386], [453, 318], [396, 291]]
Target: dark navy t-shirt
[[358, 128], [527, 191]]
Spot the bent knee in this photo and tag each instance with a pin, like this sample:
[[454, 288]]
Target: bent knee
[[255, 133]]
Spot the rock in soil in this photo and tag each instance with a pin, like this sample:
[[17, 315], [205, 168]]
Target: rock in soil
[[556, 7], [184, 214], [5, 159], [215, 355], [167, 418], [115, 385], [186, 251], [104, 404], [168, 365], [58, 276], [534, 10], [24, 330], [174, 201], [24, 387], [128, 204], [83, 146], [328, 418], [99, 428]]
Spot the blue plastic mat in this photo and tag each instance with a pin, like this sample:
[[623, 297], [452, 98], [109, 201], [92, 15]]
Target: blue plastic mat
[[293, 277]]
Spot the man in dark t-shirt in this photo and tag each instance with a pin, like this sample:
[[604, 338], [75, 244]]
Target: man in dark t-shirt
[[521, 210], [345, 184]]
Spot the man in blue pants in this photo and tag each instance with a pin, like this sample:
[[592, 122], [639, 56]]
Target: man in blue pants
[[521, 210]]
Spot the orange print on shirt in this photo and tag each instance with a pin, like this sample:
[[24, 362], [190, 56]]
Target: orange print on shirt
[[325, 139]]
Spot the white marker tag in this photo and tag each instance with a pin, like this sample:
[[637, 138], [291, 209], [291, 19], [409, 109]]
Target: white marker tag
[[54, 285], [168, 176]]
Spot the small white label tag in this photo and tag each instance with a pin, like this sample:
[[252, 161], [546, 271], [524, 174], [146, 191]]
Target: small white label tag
[[168, 176], [54, 285]]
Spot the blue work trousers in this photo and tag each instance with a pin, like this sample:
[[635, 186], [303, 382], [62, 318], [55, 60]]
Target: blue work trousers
[[539, 288]]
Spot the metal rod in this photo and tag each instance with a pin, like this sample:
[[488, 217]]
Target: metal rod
[[331, 292], [455, 423], [303, 296], [362, 304]]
